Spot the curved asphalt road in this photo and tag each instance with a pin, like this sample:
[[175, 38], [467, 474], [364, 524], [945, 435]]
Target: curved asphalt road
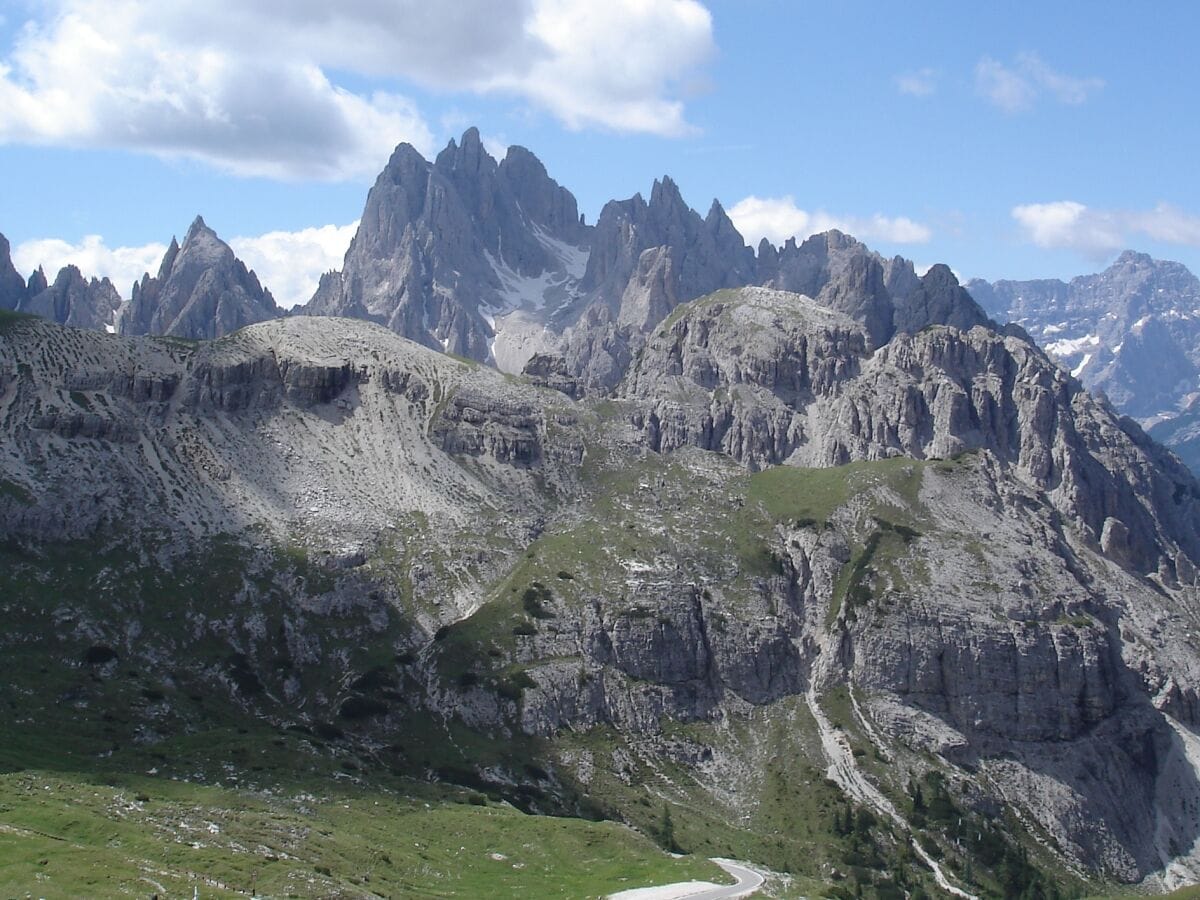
[[748, 882]]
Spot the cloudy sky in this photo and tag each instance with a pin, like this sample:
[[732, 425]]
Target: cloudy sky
[[1018, 141]]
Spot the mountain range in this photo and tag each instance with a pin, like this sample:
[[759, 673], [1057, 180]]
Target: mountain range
[[492, 261], [788, 555]]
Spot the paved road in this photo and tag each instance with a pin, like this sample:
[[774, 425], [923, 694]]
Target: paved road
[[748, 882]]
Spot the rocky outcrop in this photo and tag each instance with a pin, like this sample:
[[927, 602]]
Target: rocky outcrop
[[936, 299], [768, 378], [840, 273], [202, 291], [648, 257], [444, 246], [12, 286], [74, 301]]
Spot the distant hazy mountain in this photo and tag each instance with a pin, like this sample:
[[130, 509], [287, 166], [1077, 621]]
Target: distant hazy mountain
[[1132, 331]]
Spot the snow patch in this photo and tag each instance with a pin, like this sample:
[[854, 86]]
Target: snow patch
[[1078, 370], [532, 293], [1071, 346]]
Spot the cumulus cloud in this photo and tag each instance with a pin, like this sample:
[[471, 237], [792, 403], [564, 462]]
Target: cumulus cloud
[[920, 83], [1097, 233], [116, 74], [659, 44], [93, 258], [291, 263], [1015, 88], [248, 87], [779, 218]]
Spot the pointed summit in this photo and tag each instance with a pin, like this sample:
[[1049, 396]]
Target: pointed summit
[[37, 282], [467, 157], [198, 225], [202, 291], [438, 242]]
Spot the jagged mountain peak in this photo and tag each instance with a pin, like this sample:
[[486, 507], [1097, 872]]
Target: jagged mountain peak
[[197, 228], [467, 156], [938, 299], [665, 192], [202, 291], [37, 281]]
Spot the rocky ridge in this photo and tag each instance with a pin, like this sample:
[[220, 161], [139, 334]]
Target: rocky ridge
[[445, 247], [70, 300], [491, 261]]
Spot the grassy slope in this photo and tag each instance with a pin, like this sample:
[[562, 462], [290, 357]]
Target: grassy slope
[[81, 739], [73, 835]]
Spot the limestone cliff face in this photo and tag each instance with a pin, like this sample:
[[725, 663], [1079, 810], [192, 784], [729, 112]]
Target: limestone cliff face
[[768, 377], [75, 301], [441, 245], [202, 291]]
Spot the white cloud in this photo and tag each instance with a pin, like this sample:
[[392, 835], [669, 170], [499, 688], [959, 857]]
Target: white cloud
[[93, 258], [246, 87], [920, 83], [1015, 88], [291, 263], [1098, 233], [617, 64], [115, 74], [779, 218]]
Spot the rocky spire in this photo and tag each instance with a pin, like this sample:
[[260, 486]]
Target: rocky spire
[[37, 282], [202, 291], [437, 241], [76, 301], [12, 286]]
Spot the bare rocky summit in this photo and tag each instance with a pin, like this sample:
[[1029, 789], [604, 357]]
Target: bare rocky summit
[[202, 291], [71, 300]]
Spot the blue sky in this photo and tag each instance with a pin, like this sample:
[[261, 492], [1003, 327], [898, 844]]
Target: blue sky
[[1008, 140]]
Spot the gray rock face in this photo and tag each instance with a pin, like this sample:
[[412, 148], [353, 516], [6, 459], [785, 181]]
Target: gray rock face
[[202, 291], [443, 246], [12, 286], [1132, 331], [773, 378], [936, 299], [74, 301], [492, 261], [840, 273], [648, 257]]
